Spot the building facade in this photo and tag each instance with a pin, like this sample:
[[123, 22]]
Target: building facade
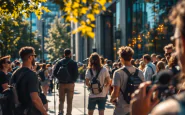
[[140, 24]]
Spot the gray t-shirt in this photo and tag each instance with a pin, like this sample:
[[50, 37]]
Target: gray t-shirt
[[120, 79], [101, 77]]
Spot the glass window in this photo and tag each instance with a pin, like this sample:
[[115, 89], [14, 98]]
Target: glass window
[[151, 30], [117, 14]]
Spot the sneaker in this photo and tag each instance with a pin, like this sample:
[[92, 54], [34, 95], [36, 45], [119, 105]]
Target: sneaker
[[60, 114]]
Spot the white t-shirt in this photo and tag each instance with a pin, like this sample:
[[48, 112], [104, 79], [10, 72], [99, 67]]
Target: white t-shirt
[[120, 79], [101, 77]]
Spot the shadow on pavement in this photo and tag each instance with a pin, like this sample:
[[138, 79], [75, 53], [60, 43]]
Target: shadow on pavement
[[76, 92], [109, 106]]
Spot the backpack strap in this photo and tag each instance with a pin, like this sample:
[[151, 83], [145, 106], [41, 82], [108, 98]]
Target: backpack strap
[[97, 74], [65, 63], [20, 77], [91, 71], [136, 73], [151, 68], [126, 71]]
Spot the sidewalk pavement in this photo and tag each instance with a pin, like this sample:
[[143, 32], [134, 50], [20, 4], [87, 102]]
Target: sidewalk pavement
[[78, 103]]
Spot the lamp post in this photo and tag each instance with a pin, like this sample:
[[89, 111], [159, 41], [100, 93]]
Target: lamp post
[[42, 41], [118, 37], [30, 27]]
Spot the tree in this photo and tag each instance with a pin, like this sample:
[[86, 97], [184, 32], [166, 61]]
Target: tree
[[58, 40], [16, 8], [82, 12], [14, 35]]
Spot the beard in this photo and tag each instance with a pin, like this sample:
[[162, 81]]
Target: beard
[[33, 62]]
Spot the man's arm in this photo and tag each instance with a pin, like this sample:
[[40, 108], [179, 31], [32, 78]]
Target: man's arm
[[5, 86], [116, 87], [55, 69], [75, 70], [107, 81], [115, 94], [87, 82], [33, 86], [37, 102]]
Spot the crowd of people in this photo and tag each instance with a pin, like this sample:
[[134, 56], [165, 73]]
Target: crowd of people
[[153, 84]]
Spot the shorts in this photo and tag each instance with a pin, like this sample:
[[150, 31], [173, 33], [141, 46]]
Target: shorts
[[45, 82], [100, 101]]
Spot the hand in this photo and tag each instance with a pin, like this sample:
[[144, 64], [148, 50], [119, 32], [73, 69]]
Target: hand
[[141, 102], [113, 101], [45, 113]]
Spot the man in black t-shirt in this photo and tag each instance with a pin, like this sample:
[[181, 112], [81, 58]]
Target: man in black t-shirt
[[27, 87], [4, 67]]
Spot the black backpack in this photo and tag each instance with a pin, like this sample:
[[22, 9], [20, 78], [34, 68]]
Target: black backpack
[[62, 73], [95, 84], [9, 99], [133, 83], [42, 75]]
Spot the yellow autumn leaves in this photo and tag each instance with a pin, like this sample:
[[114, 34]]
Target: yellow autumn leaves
[[83, 13]]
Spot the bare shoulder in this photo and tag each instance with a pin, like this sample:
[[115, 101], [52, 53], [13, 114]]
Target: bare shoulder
[[167, 107]]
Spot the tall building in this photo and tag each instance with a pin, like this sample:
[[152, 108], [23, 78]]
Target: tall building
[[140, 24], [48, 17], [33, 21]]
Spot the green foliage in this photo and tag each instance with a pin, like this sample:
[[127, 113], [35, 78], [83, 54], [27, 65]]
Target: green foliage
[[82, 12], [14, 35], [16, 8], [58, 40]]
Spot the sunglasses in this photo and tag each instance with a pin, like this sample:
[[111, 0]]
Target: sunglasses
[[8, 62], [167, 54], [34, 55]]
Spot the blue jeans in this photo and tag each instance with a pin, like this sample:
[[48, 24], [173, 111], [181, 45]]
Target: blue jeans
[[100, 101]]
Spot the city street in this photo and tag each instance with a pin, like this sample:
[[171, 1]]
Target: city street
[[78, 102]]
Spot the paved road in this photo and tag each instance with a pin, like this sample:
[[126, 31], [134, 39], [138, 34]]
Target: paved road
[[78, 102]]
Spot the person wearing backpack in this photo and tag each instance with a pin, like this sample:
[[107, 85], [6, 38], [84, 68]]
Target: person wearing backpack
[[66, 71], [27, 85], [44, 75], [125, 81], [150, 68], [98, 81]]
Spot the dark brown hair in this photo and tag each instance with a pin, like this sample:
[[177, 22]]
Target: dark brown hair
[[25, 52], [147, 57], [3, 60], [126, 53], [169, 46], [44, 66], [173, 61], [177, 16], [94, 60], [160, 65]]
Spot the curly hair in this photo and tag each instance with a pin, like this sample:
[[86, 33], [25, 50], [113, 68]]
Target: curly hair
[[173, 61], [177, 16], [94, 60], [126, 53]]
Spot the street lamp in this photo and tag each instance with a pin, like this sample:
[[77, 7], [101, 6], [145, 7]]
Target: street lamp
[[118, 38], [42, 41]]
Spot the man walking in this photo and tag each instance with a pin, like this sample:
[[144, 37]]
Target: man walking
[[120, 80], [27, 83], [150, 68], [66, 71]]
